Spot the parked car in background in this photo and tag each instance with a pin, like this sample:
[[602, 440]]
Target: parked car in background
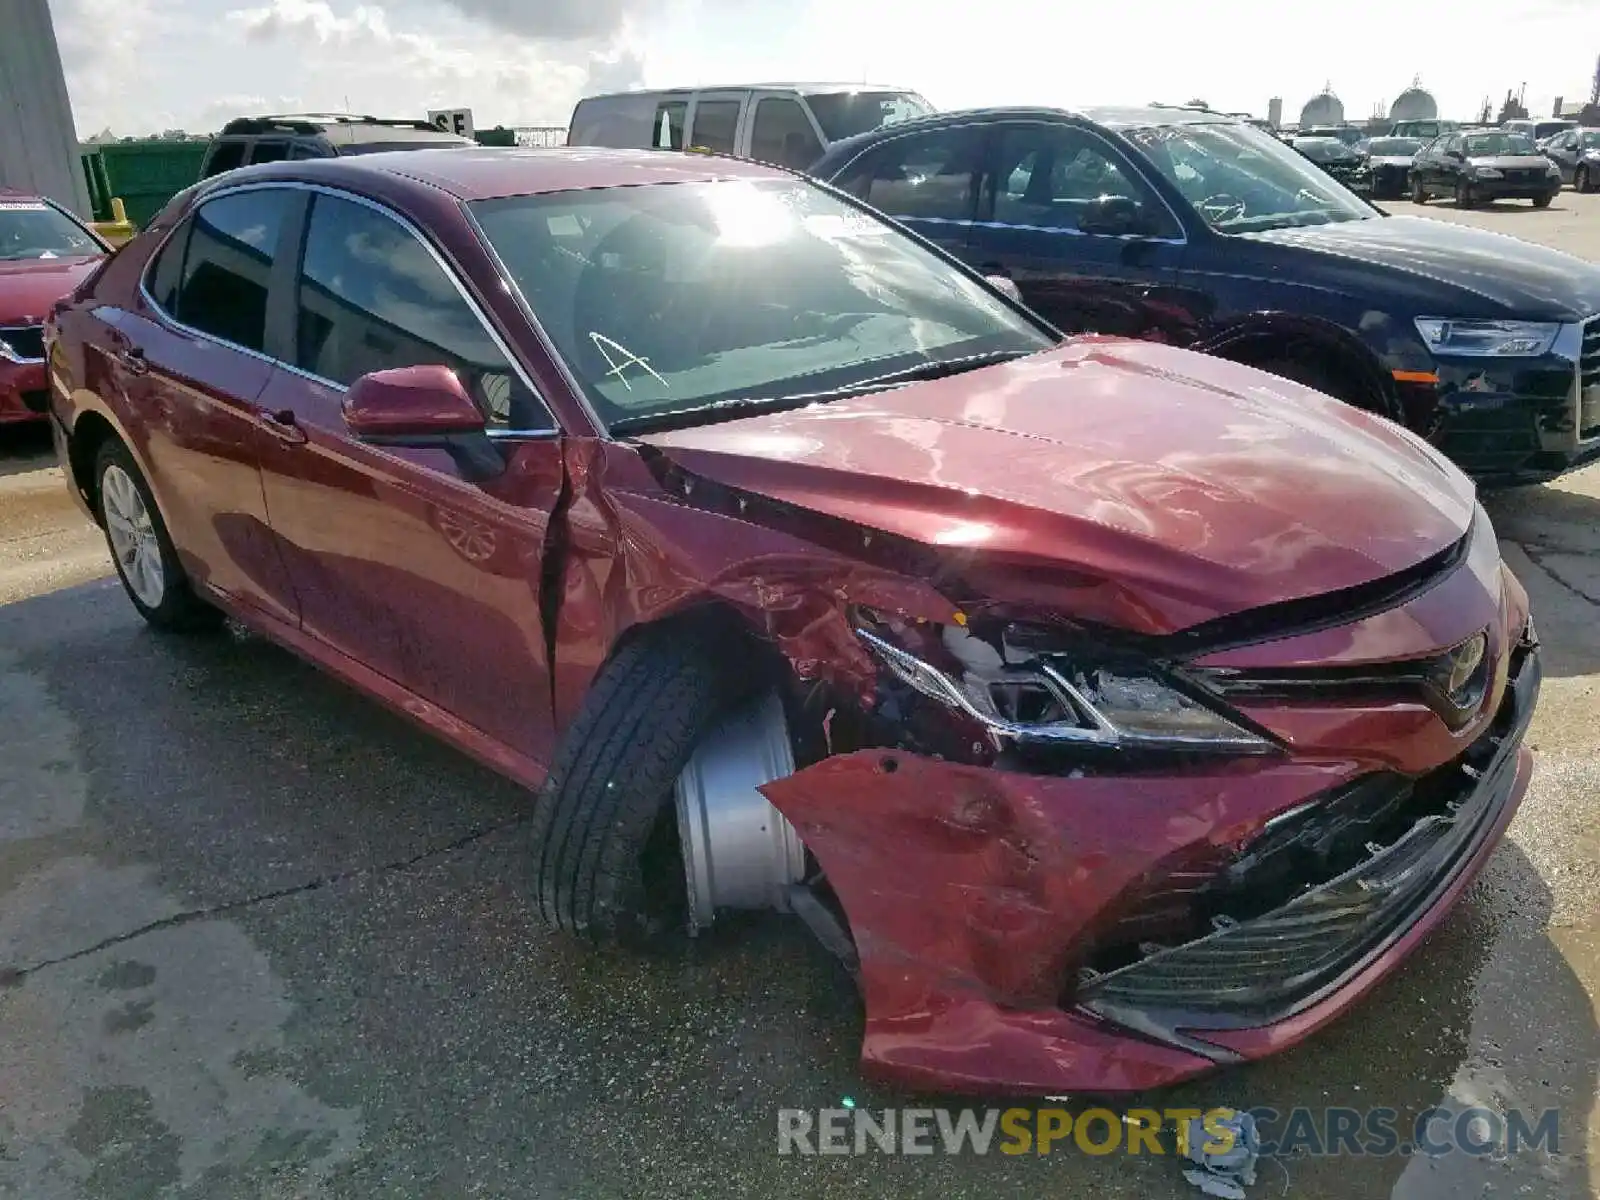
[[1345, 162], [1346, 135], [1389, 160], [1576, 154], [1130, 709], [247, 141], [788, 124], [1201, 231], [1537, 131], [1425, 130], [45, 252], [1480, 168]]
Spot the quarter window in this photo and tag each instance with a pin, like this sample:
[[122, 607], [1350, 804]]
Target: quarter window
[[233, 241], [371, 298], [782, 134], [667, 134], [930, 177], [715, 124]]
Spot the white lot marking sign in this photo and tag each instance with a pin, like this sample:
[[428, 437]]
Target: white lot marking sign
[[452, 120]]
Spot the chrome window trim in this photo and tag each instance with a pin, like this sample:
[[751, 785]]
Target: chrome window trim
[[340, 194]]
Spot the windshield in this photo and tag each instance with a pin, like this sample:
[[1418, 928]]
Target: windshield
[[1485, 145], [34, 229], [1551, 128], [1241, 181], [1590, 140], [845, 114], [665, 298], [1393, 147], [1421, 129]]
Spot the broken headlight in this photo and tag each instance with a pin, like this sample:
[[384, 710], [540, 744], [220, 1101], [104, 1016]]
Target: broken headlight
[[1019, 689]]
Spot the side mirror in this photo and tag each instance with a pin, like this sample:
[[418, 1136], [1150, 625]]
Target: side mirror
[[1114, 216], [1458, 155], [1006, 285], [423, 408]]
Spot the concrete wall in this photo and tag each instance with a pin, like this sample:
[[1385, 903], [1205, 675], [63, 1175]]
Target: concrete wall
[[38, 143]]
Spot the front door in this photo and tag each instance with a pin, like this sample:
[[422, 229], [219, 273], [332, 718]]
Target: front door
[[1089, 244], [402, 563]]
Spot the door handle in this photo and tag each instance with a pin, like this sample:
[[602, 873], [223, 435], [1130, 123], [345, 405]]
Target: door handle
[[284, 426]]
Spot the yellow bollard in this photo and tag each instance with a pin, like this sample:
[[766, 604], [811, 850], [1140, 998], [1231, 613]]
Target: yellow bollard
[[119, 229]]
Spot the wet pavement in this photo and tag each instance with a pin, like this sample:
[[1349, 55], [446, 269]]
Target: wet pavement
[[259, 938]]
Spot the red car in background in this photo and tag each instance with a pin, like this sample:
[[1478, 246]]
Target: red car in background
[[44, 253], [1113, 711]]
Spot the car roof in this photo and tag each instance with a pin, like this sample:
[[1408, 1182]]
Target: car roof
[[781, 86], [485, 173]]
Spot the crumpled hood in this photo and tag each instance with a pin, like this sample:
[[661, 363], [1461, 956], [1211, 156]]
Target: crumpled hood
[[1195, 486], [29, 287], [1497, 275]]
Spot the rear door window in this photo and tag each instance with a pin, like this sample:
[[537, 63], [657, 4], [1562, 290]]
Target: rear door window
[[233, 242], [716, 125], [930, 176], [269, 151], [225, 156]]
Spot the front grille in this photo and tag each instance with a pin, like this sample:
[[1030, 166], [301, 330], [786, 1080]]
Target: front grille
[[1266, 967], [26, 341], [1589, 380]]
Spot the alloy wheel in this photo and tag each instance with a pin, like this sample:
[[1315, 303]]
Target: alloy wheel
[[132, 536]]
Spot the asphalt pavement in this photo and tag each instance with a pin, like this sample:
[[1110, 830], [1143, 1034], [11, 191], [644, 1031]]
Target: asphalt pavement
[[259, 938]]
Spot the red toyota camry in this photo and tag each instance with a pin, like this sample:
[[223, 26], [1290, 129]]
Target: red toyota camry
[[1115, 712], [44, 254]]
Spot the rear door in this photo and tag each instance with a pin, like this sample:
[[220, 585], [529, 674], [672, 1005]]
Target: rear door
[[716, 120], [191, 367], [401, 563], [927, 180], [1050, 191]]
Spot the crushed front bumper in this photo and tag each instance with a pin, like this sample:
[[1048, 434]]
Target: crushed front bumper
[[975, 896]]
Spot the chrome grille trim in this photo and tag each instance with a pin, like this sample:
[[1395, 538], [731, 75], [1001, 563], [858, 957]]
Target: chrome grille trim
[[26, 342]]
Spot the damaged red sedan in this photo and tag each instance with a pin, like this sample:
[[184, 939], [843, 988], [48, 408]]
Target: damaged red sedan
[[1115, 712]]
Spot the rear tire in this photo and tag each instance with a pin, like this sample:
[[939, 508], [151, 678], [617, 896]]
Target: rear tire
[[1542, 201], [141, 548], [607, 863]]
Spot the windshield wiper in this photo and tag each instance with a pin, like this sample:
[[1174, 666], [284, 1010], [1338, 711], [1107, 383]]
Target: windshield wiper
[[714, 410]]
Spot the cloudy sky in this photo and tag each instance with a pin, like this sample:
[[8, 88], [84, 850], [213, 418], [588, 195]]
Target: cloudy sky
[[143, 65]]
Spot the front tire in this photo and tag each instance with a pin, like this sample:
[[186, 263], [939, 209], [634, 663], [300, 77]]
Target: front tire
[[1543, 201], [1465, 197], [1419, 194], [141, 548], [607, 862], [1580, 180], [1318, 378]]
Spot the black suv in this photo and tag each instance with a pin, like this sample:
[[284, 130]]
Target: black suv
[[1197, 229], [250, 140]]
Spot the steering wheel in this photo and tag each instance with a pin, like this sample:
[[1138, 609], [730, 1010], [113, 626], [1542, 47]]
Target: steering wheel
[[1221, 207]]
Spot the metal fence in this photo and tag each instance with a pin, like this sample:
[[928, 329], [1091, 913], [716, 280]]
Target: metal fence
[[542, 136]]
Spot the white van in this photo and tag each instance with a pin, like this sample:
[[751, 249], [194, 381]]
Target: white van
[[789, 124]]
